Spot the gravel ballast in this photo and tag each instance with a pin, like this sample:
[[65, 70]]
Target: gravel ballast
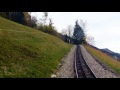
[[66, 67], [99, 71]]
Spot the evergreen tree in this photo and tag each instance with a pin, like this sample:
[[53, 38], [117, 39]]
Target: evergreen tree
[[78, 34], [17, 17], [4, 14]]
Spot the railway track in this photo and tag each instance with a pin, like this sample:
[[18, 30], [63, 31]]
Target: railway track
[[82, 69]]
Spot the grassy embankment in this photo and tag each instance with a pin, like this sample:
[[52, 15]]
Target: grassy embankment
[[107, 60], [27, 52]]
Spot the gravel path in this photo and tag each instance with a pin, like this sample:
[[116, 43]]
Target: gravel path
[[96, 67], [66, 67]]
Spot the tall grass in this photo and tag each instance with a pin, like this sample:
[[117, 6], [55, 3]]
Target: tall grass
[[27, 52], [109, 61]]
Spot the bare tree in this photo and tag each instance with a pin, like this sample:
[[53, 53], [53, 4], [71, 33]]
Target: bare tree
[[50, 22], [30, 19], [83, 25], [45, 17], [90, 40], [69, 31], [64, 31]]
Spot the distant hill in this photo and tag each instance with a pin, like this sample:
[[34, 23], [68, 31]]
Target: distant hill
[[107, 50], [110, 53]]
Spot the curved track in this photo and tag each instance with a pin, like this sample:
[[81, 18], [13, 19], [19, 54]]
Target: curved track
[[82, 69]]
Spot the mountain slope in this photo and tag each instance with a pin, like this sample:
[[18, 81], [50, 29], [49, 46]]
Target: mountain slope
[[107, 50], [111, 53], [26, 52]]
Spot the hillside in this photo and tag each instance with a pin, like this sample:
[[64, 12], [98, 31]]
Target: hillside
[[27, 52], [111, 53], [104, 58], [114, 55]]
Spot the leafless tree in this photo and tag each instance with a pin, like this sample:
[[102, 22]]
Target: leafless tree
[[90, 40], [64, 31], [50, 22], [70, 30], [83, 25], [45, 17], [34, 22]]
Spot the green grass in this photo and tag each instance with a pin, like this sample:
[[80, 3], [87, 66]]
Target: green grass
[[107, 60], [27, 52]]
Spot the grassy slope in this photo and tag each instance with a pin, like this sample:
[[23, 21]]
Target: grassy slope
[[110, 62], [26, 52]]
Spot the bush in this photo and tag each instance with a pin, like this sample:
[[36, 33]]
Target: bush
[[3, 14], [48, 29]]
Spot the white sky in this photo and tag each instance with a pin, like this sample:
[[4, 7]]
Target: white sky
[[103, 26]]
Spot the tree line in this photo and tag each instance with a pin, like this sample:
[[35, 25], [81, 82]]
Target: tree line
[[26, 19], [71, 35], [74, 35]]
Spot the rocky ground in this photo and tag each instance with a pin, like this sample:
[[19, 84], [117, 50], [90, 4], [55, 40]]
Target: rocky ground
[[66, 66], [96, 67]]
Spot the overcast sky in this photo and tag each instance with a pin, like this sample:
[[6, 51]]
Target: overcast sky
[[103, 26]]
